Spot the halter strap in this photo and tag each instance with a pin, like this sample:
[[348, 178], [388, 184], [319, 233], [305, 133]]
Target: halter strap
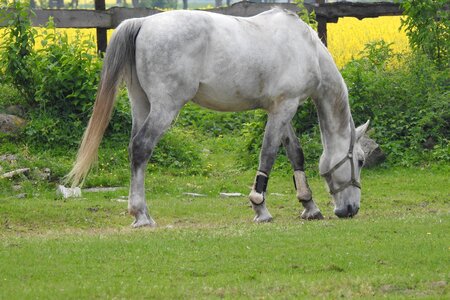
[[349, 156]]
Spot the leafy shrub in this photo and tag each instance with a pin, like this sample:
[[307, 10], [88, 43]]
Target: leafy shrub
[[9, 95], [68, 74], [213, 123], [407, 102], [179, 150], [16, 59], [58, 82], [427, 25]]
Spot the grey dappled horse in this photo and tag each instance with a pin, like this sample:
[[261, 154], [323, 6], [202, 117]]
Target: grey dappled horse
[[272, 61]]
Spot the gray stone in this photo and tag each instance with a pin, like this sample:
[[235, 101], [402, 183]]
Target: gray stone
[[11, 123], [16, 110], [101, 189], [120, 200], [43, 174], [231, 195], [194, 194], [65, 193], [47, 172], [10, 158], [372, 151], [24, 171], [21, 196]]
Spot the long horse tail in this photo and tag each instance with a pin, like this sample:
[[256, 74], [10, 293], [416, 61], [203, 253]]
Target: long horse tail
[[119, 56]]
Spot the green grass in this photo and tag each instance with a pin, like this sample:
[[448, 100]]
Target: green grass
[[397, 247]]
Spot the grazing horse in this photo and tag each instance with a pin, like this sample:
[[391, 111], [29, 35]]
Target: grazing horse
[[272, 61]]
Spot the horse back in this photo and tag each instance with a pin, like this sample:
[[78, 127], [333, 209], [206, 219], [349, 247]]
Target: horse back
[[233, 63]]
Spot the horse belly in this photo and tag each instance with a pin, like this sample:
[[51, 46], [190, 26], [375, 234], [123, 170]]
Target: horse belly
[[222, 99]]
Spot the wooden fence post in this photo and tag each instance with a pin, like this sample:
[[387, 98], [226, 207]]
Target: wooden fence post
[[322, 29], [321, 25], [102, 38]]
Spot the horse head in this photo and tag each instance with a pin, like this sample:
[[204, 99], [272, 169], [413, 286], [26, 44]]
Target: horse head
[[343, 175]]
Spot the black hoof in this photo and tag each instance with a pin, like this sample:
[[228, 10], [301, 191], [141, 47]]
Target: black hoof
[[317, 216]]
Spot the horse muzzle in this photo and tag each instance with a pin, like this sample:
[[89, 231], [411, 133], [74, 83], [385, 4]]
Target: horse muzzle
[[346, 212]]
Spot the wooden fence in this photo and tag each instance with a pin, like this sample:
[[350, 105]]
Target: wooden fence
[[103, 19]]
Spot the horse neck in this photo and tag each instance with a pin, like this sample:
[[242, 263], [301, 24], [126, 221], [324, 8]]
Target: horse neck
[[333, 110]]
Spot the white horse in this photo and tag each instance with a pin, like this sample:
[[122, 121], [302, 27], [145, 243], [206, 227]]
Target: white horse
[[272, 61]]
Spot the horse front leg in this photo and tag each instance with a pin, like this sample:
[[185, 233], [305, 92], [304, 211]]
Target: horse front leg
[[277, 120], [297, 159]]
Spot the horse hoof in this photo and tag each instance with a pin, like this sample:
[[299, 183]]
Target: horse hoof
[[311, 216], [143, 223], [263, 219]]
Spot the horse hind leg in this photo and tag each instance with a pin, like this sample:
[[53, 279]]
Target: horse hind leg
[[141, 147], [153, 110], [140, 111], [296, 157]]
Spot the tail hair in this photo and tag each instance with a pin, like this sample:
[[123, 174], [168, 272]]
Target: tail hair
[[120, 55]]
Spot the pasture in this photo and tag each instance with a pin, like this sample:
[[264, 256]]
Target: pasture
[[208, 247]]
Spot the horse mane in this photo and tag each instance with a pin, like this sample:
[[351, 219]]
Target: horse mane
[[342, 106], [278, 9]]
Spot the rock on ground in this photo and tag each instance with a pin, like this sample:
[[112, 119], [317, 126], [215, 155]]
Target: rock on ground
[[65, 193], [226, 195], [17, 172], [372, 151], [11, 123]]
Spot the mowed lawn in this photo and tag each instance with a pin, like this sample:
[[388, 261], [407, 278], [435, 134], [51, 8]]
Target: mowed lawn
[[207, 247]]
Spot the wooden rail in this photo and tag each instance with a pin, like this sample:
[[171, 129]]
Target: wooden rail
[[103, 19]]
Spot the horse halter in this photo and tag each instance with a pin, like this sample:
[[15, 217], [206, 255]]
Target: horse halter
[[349, 156]]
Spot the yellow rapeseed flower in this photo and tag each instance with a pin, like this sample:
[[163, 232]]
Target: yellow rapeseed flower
[[347, 38]]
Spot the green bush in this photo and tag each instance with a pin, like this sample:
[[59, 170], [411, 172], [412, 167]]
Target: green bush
[[213, 123], [406, 97], [58, 82], [179, 150], [9, 95], [427, 24], [66, 78], [17, 56], [67, 74]]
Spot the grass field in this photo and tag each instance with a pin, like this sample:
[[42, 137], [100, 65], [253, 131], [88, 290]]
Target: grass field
[[397, 247], [207, 247]]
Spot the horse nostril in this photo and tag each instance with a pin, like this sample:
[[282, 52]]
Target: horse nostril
[[350, 210], [346, 212], [341, 212]]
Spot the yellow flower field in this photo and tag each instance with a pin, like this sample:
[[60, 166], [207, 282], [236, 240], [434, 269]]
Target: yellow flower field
[[346, 39]]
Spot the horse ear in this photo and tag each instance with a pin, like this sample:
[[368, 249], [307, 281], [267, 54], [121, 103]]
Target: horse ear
[[361, 130]]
